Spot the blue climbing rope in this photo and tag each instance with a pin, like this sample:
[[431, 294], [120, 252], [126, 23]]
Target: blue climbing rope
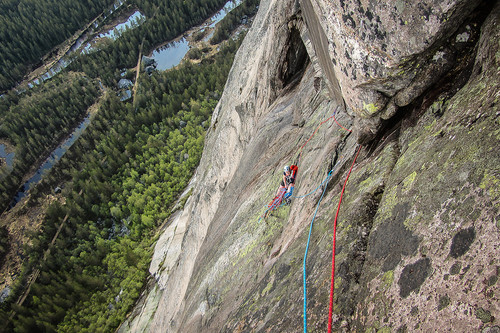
[[317, 188], [307, 249]]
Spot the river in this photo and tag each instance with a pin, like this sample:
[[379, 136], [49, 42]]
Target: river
[[9, 157], [54, 157], [170, 55], [131, 22]]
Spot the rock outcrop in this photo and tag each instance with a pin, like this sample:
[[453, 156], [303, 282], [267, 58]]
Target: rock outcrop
[[418, 230]]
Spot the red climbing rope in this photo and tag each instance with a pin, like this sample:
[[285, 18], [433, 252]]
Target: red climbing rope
[[317, 128], [348, 130], [324, 121], [333, 251]]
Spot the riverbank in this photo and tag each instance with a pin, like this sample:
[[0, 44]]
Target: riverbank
[[9, 147], [46, 161], [57, 54], [189, 43], [54, 56], [171, 53]]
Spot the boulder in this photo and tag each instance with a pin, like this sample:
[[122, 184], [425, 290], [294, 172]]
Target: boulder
[[125, 95], [5, 293], [124, 84]]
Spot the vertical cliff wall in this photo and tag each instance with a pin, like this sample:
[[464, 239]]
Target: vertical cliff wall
[[418, 230]]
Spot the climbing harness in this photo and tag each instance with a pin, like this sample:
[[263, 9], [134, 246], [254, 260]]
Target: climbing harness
[[275, 202]]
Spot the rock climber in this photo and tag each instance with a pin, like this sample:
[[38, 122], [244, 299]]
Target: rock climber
[[285, 190], [288, 181]]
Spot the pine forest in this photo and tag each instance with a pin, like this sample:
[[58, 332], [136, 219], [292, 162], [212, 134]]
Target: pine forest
[[82, 267]]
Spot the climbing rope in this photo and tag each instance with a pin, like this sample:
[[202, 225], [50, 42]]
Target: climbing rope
[[317, 128], [317, 188], [325, 182], [274, 206], [304, 274], [308, 194], [330, 310], [348, 130]]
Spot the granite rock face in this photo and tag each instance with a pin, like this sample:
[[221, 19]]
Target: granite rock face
[[419, 226], [386, 54]]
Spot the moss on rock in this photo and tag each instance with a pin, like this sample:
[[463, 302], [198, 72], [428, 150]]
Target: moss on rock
[[444, 301], [484, 315]]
